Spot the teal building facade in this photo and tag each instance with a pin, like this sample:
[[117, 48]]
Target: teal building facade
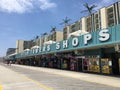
[[96, 52]]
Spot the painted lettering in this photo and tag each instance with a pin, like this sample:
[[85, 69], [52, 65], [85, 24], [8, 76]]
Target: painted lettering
[[75, 41], [57, 45], [65, 44], [87, 37], [104, 35]]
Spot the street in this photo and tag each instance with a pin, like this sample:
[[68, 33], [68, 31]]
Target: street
[[40, 80]]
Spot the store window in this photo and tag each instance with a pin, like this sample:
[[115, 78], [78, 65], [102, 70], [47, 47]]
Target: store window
[[94, 65], [106, 64], [91, 64]]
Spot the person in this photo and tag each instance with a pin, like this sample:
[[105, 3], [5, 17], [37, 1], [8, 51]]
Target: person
[[10, 63]]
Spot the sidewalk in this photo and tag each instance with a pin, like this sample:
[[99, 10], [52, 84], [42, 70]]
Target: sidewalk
[[100, 79], [11, 80]]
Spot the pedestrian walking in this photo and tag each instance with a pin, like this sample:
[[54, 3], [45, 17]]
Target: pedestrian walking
[[10, 63]]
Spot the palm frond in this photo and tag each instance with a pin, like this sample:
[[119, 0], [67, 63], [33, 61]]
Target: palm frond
[[89, 8], [53, 29], [92, 7], [44, 34], [65, 21], [84, 11]]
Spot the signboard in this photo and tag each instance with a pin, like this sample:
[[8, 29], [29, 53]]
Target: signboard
[[97, 38]]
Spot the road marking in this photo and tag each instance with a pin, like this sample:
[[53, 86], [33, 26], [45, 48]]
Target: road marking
[[36, 82], [100, 83], [18, 85], [50, 71], [1, 86]]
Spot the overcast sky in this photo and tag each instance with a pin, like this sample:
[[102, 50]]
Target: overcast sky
[[24, 19]]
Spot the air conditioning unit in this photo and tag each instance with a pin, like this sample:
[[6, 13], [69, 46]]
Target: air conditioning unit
[[117, 48]]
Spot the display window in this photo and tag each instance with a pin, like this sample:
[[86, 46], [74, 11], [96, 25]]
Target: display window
[[64, 64], [73, 64], [106, 64], [94, 65]]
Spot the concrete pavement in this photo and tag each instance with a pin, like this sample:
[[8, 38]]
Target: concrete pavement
[[11, 80], [99, 79], [20, 77]]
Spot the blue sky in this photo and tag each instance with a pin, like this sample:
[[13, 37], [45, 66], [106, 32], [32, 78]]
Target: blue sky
[[24, 19]]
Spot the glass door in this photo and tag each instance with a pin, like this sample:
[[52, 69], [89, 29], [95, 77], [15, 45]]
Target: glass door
[[85, 64], [79, 64]]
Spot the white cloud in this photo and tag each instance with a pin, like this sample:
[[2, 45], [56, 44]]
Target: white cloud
[[45, 4], [22, 6]]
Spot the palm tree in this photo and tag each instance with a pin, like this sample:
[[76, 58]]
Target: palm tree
[[89, 8], [65, 21], [53, 29], [44, 34], [36, 37]]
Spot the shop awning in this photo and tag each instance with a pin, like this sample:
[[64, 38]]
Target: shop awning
[[49, 42], [78, 33], [27, 50], [35, 47]]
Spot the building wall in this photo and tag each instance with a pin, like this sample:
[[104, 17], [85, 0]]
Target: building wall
[[28, 44], [66, 31], [59, 36], [19, 46], [119, 12], [103, 15], [55, 36], [37, 42], [10, 51], [75, 26], [83, 23]]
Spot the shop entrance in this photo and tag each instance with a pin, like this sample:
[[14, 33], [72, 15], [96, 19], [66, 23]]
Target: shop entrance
[[112, 61], [115, 63], [79, 64], [85, 64]]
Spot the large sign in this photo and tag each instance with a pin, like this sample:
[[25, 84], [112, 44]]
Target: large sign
[[103, 36], [96, 38]]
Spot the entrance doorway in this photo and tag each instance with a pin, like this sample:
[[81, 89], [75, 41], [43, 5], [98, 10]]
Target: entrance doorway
[[115, 63], [85, 64], [79, 64], [114, 57]]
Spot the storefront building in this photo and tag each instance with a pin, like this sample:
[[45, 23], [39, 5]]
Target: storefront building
[[96, 52]]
